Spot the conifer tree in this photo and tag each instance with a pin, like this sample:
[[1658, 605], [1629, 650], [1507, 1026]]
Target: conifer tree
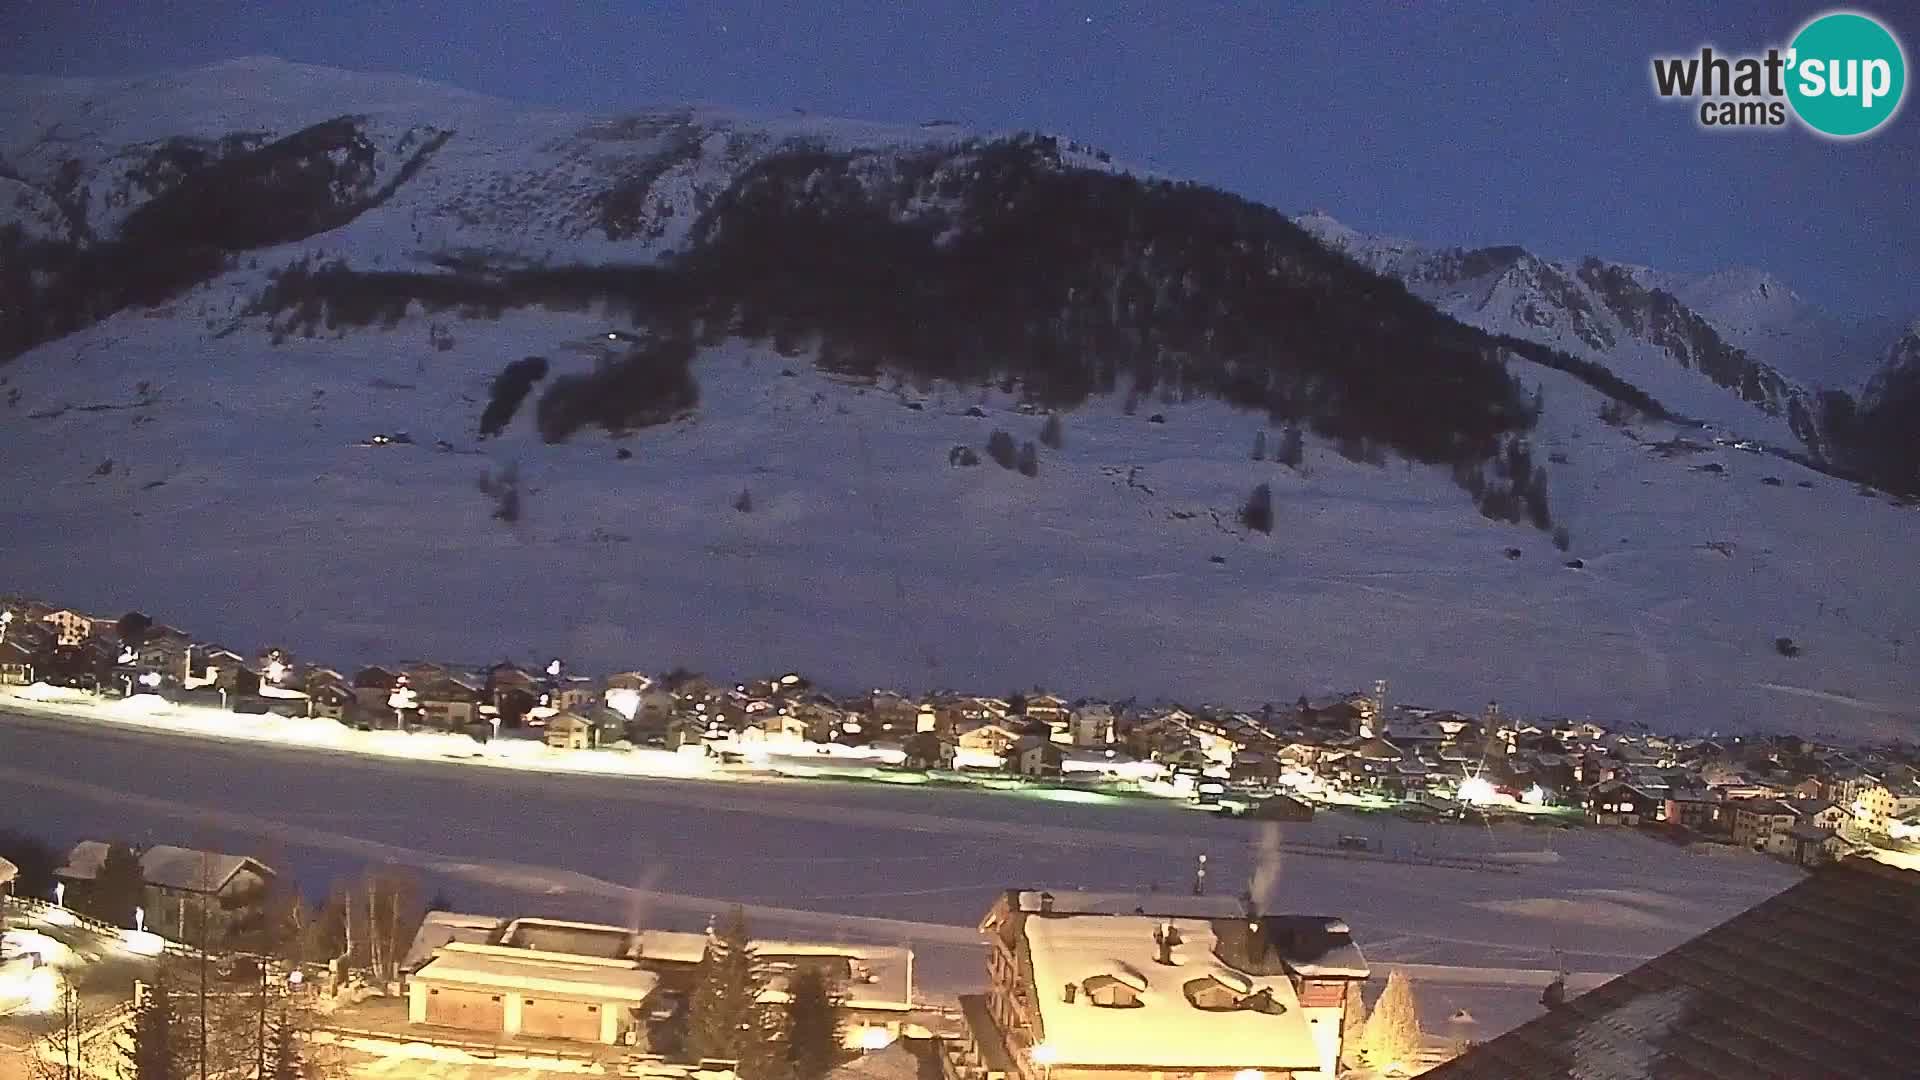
[[726, 994], [1393, 1031], [118, 888], [1292, 447], [1000, 448], [1353, 1026], [153, 1052], [814, 1024], [1260, 445], [1050, 434], [283, 1053], [766, 1046], [1258, 511]]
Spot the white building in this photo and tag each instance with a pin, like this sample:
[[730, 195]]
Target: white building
[[1091, 725], [1879, 806], [1134, 987], [531, 993]]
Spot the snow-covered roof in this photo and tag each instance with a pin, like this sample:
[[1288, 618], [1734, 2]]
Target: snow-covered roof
[[490, 967], [166, 866], [888, 969], [572, 938], [192, 871], [443, 927], [83, 862], [1166, 1030]]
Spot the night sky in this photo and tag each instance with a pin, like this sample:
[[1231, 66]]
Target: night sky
[[1462, 123]]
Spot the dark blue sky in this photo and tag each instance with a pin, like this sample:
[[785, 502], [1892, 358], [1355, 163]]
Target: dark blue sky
[[1468, 123]]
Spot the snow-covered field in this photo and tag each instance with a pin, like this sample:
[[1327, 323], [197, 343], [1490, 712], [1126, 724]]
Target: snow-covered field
[[872, 862], [239, 505]]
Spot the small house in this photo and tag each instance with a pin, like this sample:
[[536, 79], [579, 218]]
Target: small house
[[16, 664], [447, 703], [1616, 802], [1036, 756], [572, 731], [184, 887], [929, 750]]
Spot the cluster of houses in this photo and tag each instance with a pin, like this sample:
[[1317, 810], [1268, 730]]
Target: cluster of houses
[[1792, 798]]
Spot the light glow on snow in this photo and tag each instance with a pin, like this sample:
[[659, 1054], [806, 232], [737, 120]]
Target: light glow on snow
[[1475, 791]]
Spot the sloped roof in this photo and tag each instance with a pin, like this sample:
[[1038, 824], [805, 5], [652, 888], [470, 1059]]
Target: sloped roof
[[1818, 981], [165, 866], [193, 871]]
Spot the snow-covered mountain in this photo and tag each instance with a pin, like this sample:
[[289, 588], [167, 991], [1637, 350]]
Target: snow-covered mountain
[[249, 270], [1738, 348], [1753, 310]]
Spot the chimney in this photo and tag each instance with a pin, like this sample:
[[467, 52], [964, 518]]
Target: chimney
[[1046, 903], [1166, 937], [1068, 992]]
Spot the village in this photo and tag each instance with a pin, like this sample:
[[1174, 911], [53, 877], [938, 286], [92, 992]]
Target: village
[[104, 939], [1787, 797]]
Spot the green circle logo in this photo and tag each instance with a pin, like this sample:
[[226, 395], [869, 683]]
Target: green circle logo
[[1847, 75]]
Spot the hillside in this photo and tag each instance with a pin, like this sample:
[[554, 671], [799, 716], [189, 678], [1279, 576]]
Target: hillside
[[821, 314]]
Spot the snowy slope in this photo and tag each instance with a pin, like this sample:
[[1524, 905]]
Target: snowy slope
[[867, 559], [1757, 312], [512, 178]]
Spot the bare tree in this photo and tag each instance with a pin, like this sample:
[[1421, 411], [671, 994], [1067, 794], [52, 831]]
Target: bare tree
[[66, 1052]]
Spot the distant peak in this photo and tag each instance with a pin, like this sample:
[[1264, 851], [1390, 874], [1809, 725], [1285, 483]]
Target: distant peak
[[1323, 224], [1749, 279]]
